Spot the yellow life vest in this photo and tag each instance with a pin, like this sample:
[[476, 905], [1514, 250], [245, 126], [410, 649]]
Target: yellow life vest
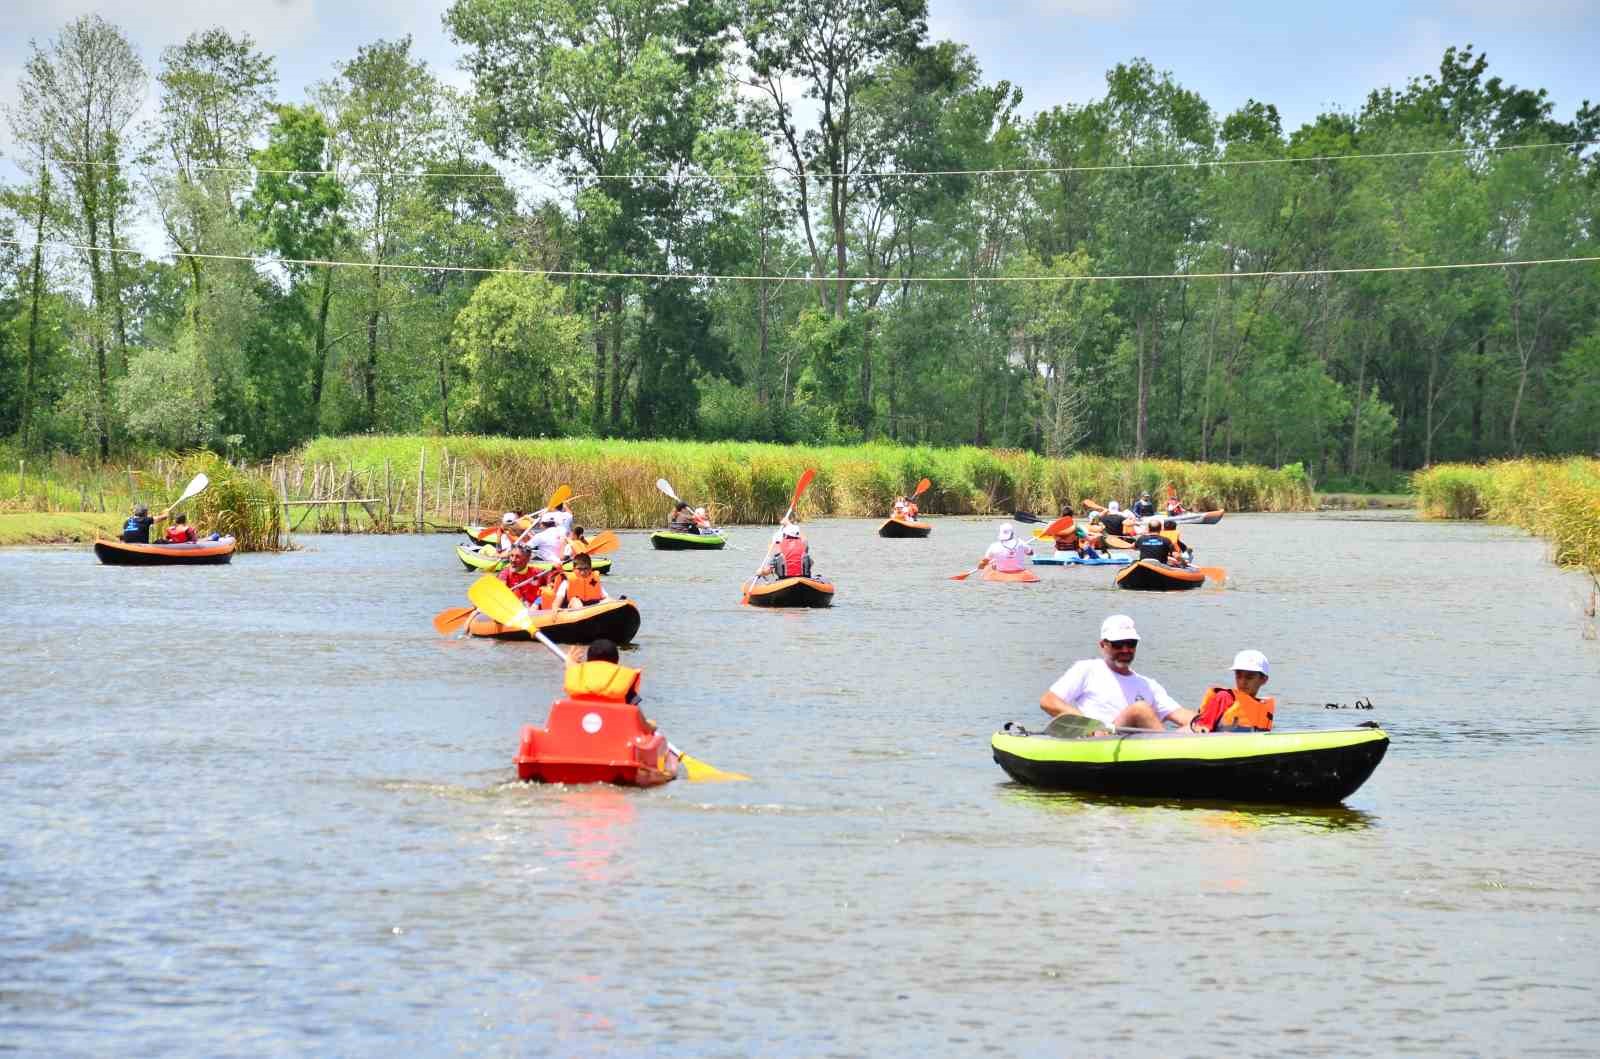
[[1245, 712], [601, 680]]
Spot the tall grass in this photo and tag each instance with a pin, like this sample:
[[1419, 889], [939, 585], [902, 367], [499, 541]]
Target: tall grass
[[237, 502], [751, 483], [1558, 499]]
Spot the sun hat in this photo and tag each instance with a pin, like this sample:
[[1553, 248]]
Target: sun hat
[[700, 511], [1250, 662], [791, 530], [1006, 532], [1113, 506], [508, 519], [1118, 627]]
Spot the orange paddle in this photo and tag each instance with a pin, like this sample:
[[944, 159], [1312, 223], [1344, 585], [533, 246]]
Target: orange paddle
[[922, 487], [449, 621], [963, 577]]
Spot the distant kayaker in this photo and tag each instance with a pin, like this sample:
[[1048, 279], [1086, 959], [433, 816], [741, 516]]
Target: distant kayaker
[[504, 537], [1076, 538], [1113, 518], [791, 555], [1238, 709], [1009, 553], [581, 587], [682, 519], [1169, 530], [1107, 688], [180, 532], [548, 542], [1144, 507], [1174, 505], [137, 529], [1152, 545]]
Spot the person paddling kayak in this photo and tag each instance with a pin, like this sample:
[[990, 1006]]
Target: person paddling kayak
[[1009, 553], [791, 555], [137, 529], [1107, 688]]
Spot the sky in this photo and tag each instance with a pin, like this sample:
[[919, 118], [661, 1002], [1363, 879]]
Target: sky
[[1306, 58]]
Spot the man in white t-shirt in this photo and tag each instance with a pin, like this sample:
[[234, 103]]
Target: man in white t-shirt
[[548, 543], [1107, 688]]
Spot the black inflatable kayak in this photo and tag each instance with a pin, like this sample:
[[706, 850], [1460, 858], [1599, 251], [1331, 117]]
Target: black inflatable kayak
[[1321, 767], [197, 553], [792, 592]]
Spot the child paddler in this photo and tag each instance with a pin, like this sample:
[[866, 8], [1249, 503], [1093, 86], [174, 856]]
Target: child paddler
[[596, 674], [581, 587], [1238, 709]]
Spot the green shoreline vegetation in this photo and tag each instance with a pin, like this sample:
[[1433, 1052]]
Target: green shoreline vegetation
[[466, 479], [1555, 499]]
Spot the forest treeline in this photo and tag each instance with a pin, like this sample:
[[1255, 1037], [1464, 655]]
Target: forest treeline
[[766, 221]]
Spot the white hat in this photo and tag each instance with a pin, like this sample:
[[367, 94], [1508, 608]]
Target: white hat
[[791, 530], [1118, 627], [700, 511], [509, 518], [1113, 506], [1005, 531], [1250, 662]]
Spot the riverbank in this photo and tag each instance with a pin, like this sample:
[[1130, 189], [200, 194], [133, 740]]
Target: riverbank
[[614, 482], [79, 527], [1555, 499], [1365, 501]]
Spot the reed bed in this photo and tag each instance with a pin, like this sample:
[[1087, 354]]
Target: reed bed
[[749, 483], [1556, 499], [237, 502]]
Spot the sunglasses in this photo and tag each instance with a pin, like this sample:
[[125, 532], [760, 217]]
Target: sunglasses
[[1123, 645]]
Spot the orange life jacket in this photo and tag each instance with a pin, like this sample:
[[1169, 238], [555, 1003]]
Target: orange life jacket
[[585, 589], [1244, 712], [601, 680], [793, 552], [547, 594]]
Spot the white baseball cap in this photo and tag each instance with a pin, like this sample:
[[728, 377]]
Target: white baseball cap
[[1118, 627], [1113, 506], [1005, 531], [509, 518], [1250, 662], [791, 530]]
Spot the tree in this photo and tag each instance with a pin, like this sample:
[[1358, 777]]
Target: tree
[[77, 98], [520, 346]]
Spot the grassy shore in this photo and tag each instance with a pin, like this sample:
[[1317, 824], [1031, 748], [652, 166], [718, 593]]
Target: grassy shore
[[614, 481], [1555, 499], [32, 527]]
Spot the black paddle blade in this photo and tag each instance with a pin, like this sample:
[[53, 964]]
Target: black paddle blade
[[1028, 516]]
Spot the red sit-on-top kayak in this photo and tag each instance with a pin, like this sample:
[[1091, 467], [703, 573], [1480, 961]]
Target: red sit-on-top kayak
[[592, 740]]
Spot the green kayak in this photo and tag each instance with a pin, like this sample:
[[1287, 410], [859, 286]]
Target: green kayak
[[1276, 766], [473, 559], [672, 541]]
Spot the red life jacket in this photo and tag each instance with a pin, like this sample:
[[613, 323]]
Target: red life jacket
[[180, 534], [525, 582], [793, 552]]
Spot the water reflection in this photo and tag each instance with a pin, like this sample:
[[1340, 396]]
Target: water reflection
[[1237, 815]]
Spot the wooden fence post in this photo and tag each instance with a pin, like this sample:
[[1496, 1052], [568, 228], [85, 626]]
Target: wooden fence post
[[422, 466]]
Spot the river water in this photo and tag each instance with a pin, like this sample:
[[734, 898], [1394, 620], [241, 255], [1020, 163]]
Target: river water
[[264, 809]]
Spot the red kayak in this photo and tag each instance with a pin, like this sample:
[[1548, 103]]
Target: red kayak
[[593, 740]]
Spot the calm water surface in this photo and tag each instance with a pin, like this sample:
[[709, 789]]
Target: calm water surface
[[265, 809]]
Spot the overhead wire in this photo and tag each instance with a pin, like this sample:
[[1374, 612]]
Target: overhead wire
[[712, 277], [885, 174]]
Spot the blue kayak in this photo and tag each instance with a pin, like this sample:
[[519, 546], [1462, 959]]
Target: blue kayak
[[1070, 559]]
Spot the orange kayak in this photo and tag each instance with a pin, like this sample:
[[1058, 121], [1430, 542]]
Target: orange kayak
[[899, 527], [792, 592], [197, 553], [1021, 576]]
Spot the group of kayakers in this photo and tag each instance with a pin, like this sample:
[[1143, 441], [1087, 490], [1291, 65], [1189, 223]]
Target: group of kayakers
[[1108, 690], [552, 540]]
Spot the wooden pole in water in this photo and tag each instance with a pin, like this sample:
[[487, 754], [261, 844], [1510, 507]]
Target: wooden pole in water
[[422, 464]]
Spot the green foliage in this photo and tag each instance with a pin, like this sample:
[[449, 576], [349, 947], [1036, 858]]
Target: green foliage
[[520, 348], [1559, 500]]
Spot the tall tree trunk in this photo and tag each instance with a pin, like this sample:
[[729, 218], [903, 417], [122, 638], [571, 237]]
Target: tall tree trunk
[[616, 360], [30, 373], [369, 372], [598, 417], [841, 293], [119, 316], [1355, 425], [1142, 411], [319, 353], [91, 211]]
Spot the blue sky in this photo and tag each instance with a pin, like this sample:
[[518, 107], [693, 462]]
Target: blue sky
[[1305, 58]]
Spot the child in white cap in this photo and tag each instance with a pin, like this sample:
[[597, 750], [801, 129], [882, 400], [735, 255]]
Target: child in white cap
[[1239, 709], [1009, 553]]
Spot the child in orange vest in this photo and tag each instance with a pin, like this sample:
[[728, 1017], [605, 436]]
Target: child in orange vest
[[1238, 709]]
